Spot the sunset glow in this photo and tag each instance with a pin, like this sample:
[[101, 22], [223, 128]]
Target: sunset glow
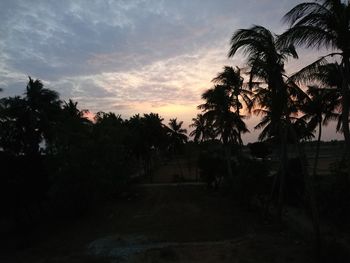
[[130, 57]]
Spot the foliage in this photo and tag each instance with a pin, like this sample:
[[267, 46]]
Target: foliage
[[259, 149], [203, 128], [334, 195], [54, 157], [251, 181], [211, 164]]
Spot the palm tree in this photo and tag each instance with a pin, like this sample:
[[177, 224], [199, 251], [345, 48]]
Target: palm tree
[[176, 133], [43, 108], [319, 106], [31, 119], [177, 136], [217, 108], [261, 103], [203, 128], [146, 139], [226, 124], [231, 79], [319, 24], [71, 108], [319, 109], [266, 61], [72, 129]]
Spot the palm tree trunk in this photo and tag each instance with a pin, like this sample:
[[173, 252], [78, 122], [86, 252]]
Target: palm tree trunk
[[283, 170], [345, 106], [309, 183], [317, 150], [240, 142], [228, 159]]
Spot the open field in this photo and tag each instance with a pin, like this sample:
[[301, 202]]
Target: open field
[[183, 223], [329, 154]]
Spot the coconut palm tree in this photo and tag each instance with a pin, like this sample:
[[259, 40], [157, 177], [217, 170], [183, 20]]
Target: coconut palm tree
[[232, 80], [71, 108], [261, 102], [226, 124], [72, 129], [319, 110], [325, 23], [266, 60], [43, 108], [203, 128], [319, 107], [177, 138], [32, 118], [176, 134], [327, 76], [217, 108]]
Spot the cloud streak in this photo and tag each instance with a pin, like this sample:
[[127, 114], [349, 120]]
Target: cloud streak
[[126, 56]]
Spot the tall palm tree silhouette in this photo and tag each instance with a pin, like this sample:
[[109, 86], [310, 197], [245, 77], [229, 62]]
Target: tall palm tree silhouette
[[325, 24], [217, 108], [203, 128], [176, 133], [177, 138], [266, 60], [319, 109], [71, 108], [232, 80], [43, 108], [261, 105], [71, 130], [30, 119], [226, 124]]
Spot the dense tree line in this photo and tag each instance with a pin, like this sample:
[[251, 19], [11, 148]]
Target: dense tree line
[[55, 160]]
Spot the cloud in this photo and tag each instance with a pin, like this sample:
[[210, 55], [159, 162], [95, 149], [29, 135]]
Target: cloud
[[127, 56], [70, 38]]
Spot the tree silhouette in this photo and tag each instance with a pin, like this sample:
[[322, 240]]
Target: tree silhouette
[[176, 134], [177, 138], [71, 130], [203, 128], [266, 61], [226, 124], [319, 109], [43, 107], [231, 79], [147, 138], [325, 24], [30, 120]]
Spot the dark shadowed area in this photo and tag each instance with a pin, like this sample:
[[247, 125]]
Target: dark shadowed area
[[175, 131]]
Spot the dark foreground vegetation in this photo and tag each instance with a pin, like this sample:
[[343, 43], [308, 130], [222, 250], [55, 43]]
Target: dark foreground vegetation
[[59, 166]]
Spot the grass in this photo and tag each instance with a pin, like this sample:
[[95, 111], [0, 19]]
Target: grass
[[197, 225]]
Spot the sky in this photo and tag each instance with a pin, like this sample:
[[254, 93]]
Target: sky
[[132, 56]]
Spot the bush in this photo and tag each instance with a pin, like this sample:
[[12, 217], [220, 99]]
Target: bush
[[212, 167], [251, 181], [259, 149], [334, 195]]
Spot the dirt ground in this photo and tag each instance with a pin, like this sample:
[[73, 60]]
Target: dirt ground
[[163, 223]]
